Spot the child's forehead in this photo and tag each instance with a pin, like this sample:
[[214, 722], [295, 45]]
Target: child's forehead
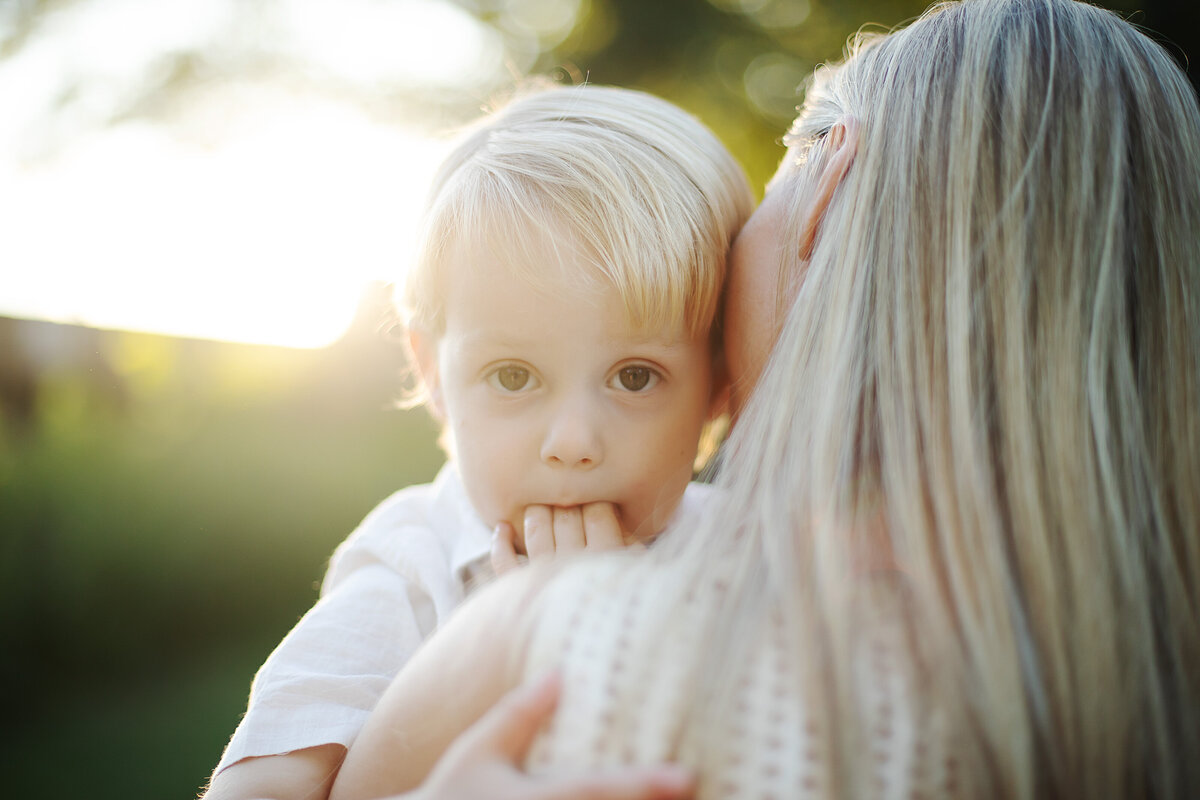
[[494, 293], [548, 257], [558, 257]]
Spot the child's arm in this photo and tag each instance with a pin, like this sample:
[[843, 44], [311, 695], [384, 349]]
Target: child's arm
[[465, 655], [550, 530], [304, 774], [457, 697], [484, 763], [458, 674]]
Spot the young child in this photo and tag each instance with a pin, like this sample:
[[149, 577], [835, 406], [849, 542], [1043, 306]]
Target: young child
[[560, 312]]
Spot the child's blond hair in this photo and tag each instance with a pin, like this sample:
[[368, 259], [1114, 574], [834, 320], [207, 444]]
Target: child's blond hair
[[639, 188]]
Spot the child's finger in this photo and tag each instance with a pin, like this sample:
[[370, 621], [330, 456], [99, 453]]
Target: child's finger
[[602, 528], [568, 529], [504, 548], [539, 531]]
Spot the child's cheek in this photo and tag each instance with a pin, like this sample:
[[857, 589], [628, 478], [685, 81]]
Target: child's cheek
[[502, 475]]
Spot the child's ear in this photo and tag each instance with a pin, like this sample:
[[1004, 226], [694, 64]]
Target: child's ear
[[424, 350]]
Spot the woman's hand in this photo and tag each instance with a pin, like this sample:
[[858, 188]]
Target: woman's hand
[[484, 761]]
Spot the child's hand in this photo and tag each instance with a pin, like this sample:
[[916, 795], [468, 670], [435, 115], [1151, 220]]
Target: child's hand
[[550, 529], [483, 761]]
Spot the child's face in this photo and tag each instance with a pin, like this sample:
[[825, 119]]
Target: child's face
[[554, 399]]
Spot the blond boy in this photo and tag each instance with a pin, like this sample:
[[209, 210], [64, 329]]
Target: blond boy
[[560, 314]]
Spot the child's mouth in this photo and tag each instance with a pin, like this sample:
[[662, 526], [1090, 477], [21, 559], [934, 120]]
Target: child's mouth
[[518, 523]]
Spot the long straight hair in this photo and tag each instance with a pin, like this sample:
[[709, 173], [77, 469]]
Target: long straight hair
[[981, 424]]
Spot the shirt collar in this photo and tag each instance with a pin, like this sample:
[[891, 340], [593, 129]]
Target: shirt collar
[[469, 539]]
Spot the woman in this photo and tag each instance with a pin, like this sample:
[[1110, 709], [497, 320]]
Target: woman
[[958, 552]]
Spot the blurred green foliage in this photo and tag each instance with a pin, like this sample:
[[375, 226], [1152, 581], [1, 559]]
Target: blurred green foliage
[[167, 507], [166, 511]]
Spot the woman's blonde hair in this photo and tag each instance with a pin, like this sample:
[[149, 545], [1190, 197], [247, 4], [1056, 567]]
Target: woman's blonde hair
[[637, 187], [986, 397]]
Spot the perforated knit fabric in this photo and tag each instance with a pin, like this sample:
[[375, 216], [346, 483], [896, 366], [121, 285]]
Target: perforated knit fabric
[[618, 709]]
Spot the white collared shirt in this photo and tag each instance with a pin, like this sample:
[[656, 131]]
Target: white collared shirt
[[390, 585]]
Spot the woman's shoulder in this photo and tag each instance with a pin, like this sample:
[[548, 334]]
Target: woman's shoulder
[[634, 639], [624, 579], [599, 613]]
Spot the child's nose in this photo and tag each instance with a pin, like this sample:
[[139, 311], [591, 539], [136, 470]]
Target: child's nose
[[573, 437]]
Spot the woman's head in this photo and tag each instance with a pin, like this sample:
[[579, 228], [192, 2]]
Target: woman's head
[[994, 347]]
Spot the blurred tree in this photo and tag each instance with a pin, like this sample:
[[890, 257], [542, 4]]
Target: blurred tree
[[737, 63], [18, 380]]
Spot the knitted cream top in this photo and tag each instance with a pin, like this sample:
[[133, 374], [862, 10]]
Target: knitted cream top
[[629, 666]]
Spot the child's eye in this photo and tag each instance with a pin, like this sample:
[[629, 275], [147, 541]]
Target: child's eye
[[635, 379], [510, 378]]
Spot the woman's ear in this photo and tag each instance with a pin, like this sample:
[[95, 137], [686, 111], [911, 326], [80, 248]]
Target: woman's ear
[[842, 144], [424, 351]]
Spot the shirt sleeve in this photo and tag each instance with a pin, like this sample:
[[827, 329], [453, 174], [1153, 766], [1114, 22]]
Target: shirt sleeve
[[322, 681]]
